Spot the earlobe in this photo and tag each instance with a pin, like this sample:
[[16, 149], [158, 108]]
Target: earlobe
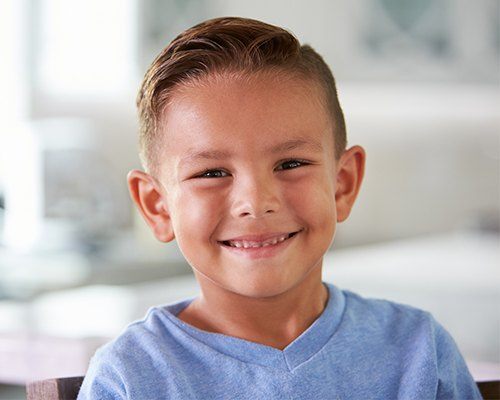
[[350, 174], [151, 202]]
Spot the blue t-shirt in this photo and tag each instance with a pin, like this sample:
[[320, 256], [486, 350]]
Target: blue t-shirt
[[356, 349]]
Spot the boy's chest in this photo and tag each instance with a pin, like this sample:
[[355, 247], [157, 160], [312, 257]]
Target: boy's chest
[[325, 376]]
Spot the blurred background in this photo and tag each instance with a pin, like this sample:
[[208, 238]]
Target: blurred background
[[419, 81]]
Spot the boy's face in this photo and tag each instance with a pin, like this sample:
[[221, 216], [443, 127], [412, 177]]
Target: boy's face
[[248, 163]]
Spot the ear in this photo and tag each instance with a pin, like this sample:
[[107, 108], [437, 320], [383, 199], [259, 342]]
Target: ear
[[350, 172], [146, 194]]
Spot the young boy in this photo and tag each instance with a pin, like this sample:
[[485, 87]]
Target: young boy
[[244, 145]]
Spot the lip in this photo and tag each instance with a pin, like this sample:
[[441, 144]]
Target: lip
[[261, 252]]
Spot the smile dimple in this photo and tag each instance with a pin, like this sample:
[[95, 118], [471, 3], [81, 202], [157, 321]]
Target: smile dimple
[[247, 244]]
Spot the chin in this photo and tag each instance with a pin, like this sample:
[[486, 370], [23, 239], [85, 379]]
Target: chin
[[260, 290]]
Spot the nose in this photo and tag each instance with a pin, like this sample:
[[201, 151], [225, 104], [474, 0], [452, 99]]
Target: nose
[[255, 196]]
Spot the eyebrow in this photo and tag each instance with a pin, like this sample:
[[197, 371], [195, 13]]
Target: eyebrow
[[296, 144], [292, 144]]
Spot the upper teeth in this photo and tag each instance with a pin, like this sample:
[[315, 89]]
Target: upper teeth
[[247, 244]]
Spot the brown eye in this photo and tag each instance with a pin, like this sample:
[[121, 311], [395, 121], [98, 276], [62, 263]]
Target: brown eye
[[291, 164], [213, 173]]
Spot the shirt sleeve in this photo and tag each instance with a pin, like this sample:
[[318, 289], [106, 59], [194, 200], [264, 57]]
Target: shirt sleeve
[[454, 378], [102, 381]]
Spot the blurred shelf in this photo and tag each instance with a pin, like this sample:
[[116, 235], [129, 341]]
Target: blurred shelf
[[24, 276]]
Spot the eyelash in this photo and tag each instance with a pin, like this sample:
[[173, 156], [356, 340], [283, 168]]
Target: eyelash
[[293, 160], [210, 171]]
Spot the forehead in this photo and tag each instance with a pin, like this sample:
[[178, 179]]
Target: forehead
[[249, 93], [247, 112]]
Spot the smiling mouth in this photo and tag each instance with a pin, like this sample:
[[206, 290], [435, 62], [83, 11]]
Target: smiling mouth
[[249, 244]]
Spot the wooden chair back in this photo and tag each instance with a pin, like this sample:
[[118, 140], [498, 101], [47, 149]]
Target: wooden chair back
[[489, 389], [54, 389]]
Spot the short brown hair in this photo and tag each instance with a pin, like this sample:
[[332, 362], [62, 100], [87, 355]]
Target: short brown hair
[[228, 44]]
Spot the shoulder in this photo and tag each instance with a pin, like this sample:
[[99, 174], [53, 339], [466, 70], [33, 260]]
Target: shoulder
[[128, 359], [151, 336], [413, 337], [396, 323], [398, 320], [378, 315], [153, 326]]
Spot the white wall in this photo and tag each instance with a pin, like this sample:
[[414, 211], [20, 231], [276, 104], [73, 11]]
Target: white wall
[[432, 147]]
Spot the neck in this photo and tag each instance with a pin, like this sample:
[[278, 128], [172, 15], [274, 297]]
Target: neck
[[274, 321]]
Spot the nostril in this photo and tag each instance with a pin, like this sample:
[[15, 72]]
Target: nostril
[[255, 208], [247, 214]]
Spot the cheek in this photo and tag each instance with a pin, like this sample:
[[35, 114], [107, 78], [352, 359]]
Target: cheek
[[197, 212], [313, 200]]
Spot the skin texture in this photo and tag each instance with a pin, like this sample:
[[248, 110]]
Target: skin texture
[[268, 298]]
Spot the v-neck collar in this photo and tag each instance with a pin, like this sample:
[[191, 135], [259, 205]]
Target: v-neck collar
[[305, 346]]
